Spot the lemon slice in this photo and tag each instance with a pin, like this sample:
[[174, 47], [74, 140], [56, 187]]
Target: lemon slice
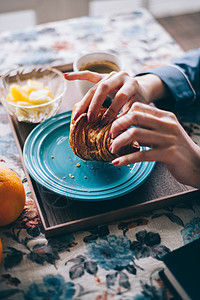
[[18, 93]]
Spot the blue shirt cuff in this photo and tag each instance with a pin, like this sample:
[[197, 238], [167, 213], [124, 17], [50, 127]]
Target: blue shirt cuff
[[177, 83]]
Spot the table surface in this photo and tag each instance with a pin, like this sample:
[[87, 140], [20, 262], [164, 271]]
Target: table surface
[[119, 260]]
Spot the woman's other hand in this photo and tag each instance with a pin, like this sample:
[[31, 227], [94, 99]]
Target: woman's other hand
[[168, 141]]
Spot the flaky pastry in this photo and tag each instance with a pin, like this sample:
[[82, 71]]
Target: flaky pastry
[[91, 141]]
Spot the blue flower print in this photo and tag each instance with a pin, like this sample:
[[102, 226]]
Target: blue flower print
[[85, 27], [111, 253], [191, 231], [148, 244], [24, 36], [52, 288], [134, 32], [38, 57]]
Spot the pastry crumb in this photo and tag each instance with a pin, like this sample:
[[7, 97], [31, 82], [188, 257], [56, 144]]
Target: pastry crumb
[[71, 176], [88, 191], [128, 166], [85, 177], [64, 177], [52, 156], [78, 165]]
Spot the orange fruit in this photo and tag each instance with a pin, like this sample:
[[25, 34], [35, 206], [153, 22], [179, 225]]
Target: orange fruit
[[18, 93], [12, 196], [1, 251]]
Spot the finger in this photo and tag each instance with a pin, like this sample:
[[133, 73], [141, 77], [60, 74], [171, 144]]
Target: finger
[[154, 118], [143, 136], [103, 89], [150, 109], [127, 106], [88, 99], [140, 156], [124, 95], [167, 123], [84, 75], [132, 118], [82, 106]]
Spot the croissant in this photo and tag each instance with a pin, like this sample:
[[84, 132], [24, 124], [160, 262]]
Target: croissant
[[91, 141]]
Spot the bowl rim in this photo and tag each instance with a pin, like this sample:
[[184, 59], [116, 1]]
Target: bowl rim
[[36, 66]]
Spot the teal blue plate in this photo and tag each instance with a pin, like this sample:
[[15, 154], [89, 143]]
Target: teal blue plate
[[51, 162]]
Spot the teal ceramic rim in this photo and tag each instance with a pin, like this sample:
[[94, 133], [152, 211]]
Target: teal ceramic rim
[[44, 156]]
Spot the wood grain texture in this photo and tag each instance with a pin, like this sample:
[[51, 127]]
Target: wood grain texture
[[184, 29]]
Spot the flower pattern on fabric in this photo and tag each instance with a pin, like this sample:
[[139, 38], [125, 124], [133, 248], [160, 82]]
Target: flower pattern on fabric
[[148, 244], [111, 253], [59, 43], [191, 231], [53, 288], [38, 57], [24, 36], [41, 252]]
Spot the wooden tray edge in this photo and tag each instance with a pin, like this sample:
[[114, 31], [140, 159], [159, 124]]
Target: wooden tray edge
[[26, 172], [127, 212], [108, 217]]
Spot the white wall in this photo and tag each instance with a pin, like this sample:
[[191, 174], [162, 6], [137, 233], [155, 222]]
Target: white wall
[[17, 20], [158, 8], [47, 10], [15, 14], [113, 6]]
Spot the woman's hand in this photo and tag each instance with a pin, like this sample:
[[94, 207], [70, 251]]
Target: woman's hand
[[123, 88], [168, 141]]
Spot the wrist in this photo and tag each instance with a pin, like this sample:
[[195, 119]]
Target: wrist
[[152, 87]]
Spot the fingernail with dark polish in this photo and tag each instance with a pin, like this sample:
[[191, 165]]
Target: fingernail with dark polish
[[115, 162], [91, 118], [75, 115], [104, 120]]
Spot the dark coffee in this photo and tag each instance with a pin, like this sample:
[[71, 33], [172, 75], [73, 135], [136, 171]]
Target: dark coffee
[[103, 66]]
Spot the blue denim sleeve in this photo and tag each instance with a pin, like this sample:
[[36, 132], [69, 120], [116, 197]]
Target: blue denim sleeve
[[182, 78]]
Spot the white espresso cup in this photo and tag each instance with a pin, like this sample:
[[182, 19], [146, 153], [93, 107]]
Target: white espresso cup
[[100, 62]]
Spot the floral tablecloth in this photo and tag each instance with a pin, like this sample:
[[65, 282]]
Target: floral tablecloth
[[120, 260], [135, 37]]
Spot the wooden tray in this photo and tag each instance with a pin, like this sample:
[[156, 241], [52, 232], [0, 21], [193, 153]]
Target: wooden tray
[[60, 214]]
